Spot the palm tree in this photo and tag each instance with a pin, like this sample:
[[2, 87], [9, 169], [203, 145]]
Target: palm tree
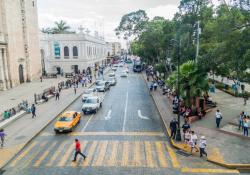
[[193, 81], [61, 27], [47, 30]]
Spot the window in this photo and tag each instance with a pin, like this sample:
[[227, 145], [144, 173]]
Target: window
[[33, 3], [75, 52], [66, 52]]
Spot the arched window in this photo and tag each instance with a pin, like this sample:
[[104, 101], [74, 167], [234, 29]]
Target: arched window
[[66, 52], [75, 52]]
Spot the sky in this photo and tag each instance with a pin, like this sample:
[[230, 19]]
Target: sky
[[102, 16]]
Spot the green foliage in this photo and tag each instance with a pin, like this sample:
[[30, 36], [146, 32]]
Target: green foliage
[[224, 40], [192, 79], [160, 68], [61, 27], [132, 24]]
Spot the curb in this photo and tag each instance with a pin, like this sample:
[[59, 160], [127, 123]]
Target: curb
[[225, 165], [8, 123], [48, 123]]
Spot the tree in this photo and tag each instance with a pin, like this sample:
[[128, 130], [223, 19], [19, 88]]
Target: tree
[[132, 24], [193, 81], [61, 27]]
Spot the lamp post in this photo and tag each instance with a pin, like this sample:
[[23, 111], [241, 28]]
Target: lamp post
[[178, 44]]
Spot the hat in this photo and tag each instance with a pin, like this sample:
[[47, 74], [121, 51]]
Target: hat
[[202, 137]]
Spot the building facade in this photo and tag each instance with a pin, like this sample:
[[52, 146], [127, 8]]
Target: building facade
[[19, 43], [71, 53]]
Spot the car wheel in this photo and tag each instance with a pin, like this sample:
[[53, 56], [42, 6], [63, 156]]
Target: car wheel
[[95, 111]]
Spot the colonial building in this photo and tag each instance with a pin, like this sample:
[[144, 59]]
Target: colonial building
[[19, 43], [67, 53]]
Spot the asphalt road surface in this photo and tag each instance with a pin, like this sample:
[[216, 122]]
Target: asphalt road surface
[[124, 137]]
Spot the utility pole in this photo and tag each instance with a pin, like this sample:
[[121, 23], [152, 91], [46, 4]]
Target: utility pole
[[198, 41]]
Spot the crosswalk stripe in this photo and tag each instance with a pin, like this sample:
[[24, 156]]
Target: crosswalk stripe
[[125, 154], [161, 155], [66, 155], [102, 151], [149, 155], [56, 154], [173, 157], [90, 154], [112, 159], [45, 154], [34, 155], [137, 154], [23, 154], [83, 147]]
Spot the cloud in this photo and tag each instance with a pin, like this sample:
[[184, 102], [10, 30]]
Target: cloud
[[166, 11]]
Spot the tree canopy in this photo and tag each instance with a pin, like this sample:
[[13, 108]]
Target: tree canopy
[[60, 27]]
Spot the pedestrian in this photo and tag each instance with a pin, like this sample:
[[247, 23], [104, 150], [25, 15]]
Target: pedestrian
[[2, 137], [41, 78], [241, 117], [202, 145], [185, 127], [155, 86], [245, 125], [75, 89], [78, 150], [193, 141], [173, 128], [57, 95], [218, 117], [33, 110]]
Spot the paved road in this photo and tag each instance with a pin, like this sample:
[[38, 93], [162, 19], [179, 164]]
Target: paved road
[[124, 137]]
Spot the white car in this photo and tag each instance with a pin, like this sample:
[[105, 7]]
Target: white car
[[114, 68], [121, 65], [112, 81], [112, 74], [88, 93], [92, 104], [124, 74]]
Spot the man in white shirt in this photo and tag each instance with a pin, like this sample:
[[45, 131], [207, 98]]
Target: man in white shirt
[[218, 117], [202, 145], [193, 141]]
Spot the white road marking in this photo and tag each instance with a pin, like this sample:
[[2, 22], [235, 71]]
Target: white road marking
[[108, 116], [141, 116], [87, 123], [125, 113]]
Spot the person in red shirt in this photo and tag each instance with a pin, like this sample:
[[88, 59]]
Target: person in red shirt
[[78, 150]]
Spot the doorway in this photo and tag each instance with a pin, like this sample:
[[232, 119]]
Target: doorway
[[21, 76]]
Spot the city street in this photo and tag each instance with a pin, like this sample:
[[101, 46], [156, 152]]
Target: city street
[[124, 137]]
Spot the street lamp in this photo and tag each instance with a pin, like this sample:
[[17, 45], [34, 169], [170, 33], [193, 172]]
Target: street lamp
[[178, 44]]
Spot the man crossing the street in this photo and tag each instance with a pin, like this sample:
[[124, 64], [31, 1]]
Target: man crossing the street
[[78, 150], [57, 95], [173, 128]]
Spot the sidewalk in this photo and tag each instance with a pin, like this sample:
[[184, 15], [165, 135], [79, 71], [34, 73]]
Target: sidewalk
[[12, 97], [221, 147], [229, 82], [26, 128]]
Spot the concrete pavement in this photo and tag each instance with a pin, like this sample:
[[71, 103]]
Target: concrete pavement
[[20, 132], [221, 147], [125, 142], [12, 97]]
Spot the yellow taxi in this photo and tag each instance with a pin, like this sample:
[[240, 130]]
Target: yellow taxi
[[67, 121]]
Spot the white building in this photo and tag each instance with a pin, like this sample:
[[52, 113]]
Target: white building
[[19, 43], [113, 48], [69, 53]]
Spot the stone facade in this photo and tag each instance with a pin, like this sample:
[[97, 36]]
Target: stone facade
[[70, 53], [19, 43]]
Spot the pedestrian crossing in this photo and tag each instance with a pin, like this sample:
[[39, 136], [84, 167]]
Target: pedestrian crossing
[[100, 153]]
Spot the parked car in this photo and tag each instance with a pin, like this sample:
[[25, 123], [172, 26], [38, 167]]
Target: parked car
[[121, 65], [67, 121], [112, 74], [112, 81], [88, 93], [115, 65], [92, 104], [114, 68], [102, 86], [124, 73]]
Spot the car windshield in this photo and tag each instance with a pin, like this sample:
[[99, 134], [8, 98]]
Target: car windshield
[[101, 83], [65, 119], [90, 100], [111, 79], [88, 91]]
